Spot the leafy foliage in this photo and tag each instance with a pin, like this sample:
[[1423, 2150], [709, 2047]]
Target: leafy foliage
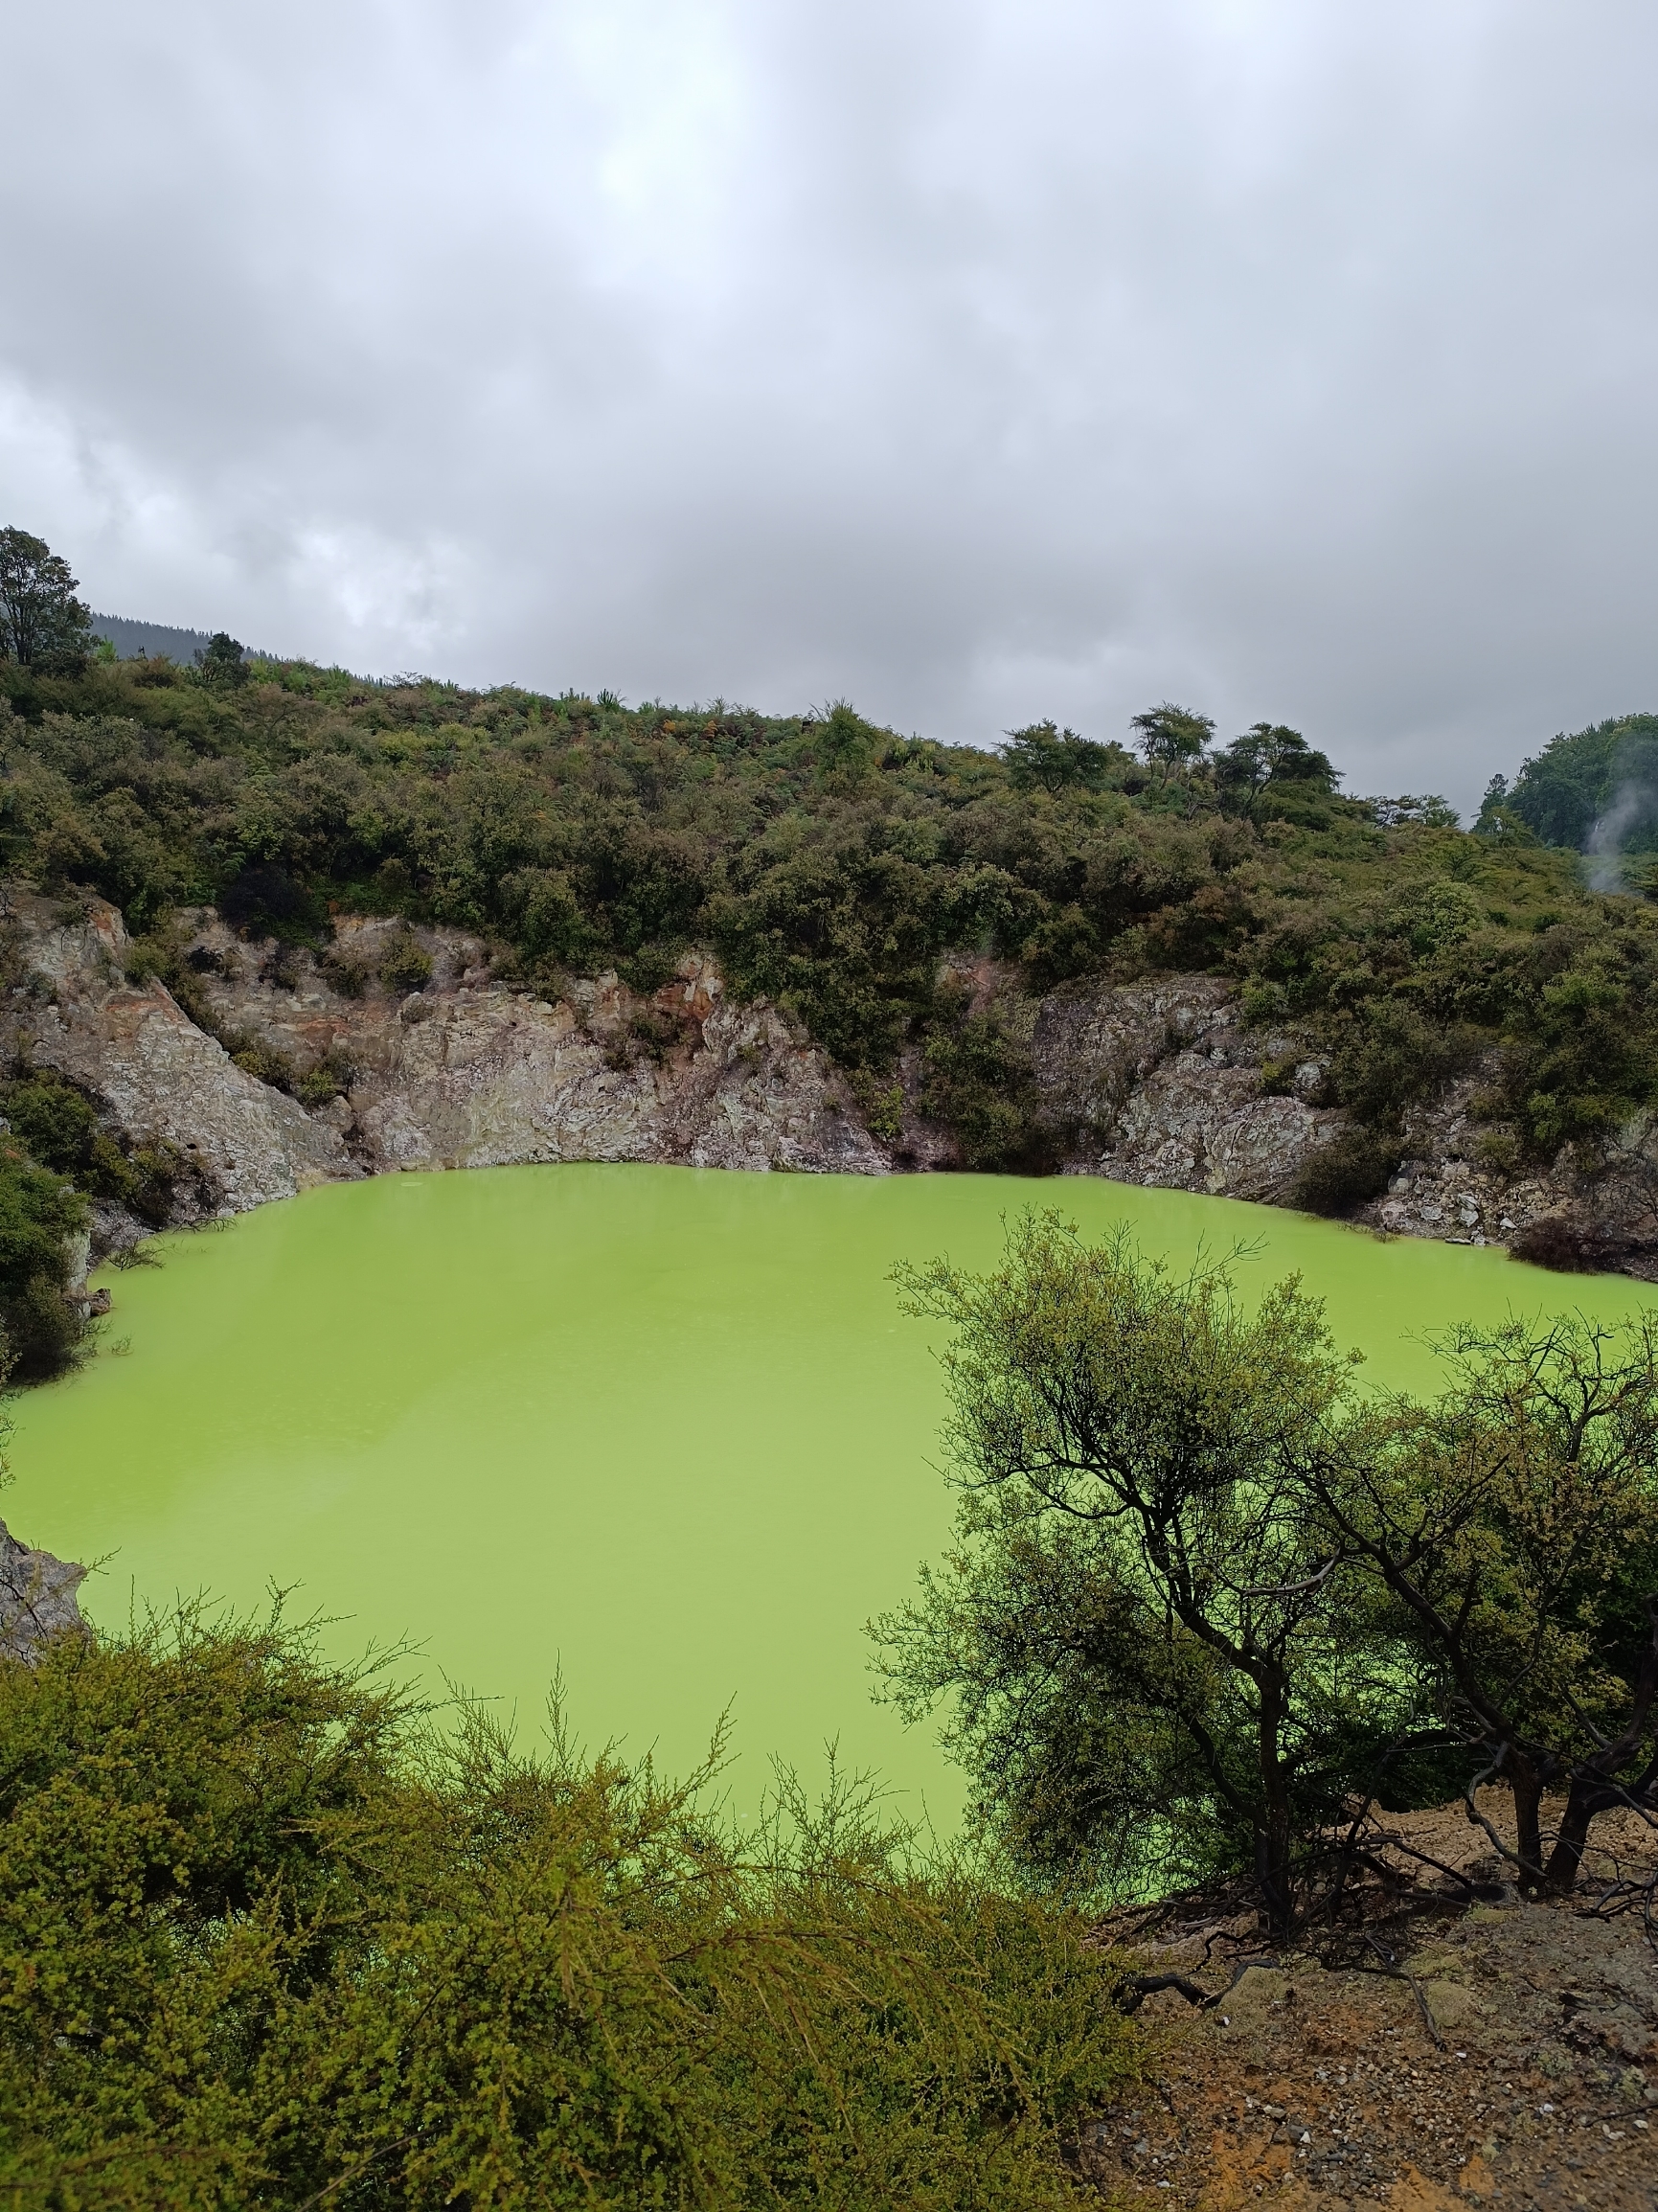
[[404, 965], [1268, 764], [1173, 737], [1513, 1523], [1565, 789], [835, 864], [978, 1079], [1047, 759], [1152, 1674], [265, 1939], [61, 1130], [42, 624], [1345, 1173], [1206, 1595], [221, 661], [39, 1213]]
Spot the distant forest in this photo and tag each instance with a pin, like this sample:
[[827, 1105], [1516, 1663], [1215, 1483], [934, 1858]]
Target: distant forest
[[1595, 790], [152, 638]]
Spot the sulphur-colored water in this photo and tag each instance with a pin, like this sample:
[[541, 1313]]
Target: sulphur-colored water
[[665, 1431]]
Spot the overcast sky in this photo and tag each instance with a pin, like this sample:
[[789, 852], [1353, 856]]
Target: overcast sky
[[979, 360]]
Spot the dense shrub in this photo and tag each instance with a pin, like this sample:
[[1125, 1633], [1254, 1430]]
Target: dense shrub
[[1568, 1247], [1345, 1173], [265, 1941], [405, 967], [61, 1130], [263, 1062], [834, 865], [39, 1213], [978, 1079], [265, 901], [1389, 1054], [1207, 1591]]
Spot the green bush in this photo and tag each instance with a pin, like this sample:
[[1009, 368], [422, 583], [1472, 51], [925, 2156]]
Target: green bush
[[1133, 1664], [57, 1123], [882, 1105], [264, 1063], [62, 1130], [978, 1079], [345, 972], [404, 967], [265, 1940], [39, 1212], [331, 1078], [1346, 1173], [1388, 1055], [1206, 1590]]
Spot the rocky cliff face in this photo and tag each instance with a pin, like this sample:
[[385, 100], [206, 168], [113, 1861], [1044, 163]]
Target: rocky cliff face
[[1162, 1083], [37, 1598], [459, 1073], [1157, 1082], [1163, 1086]]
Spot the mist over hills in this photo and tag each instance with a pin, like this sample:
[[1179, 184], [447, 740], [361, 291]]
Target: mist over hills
[[153, 638]]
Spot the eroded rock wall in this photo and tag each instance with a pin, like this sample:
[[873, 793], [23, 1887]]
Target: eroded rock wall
[[37, 1598], [159, 1078], [1157, 1082], [1163, 1086], [1162, 1083], [460, 1073]]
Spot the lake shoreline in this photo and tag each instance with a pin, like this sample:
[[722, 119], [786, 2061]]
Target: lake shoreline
[[664, 1428]]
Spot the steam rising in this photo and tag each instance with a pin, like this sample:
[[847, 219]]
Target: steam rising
[[1633, 801]]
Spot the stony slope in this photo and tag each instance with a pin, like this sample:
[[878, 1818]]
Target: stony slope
[[1448, 2052], [1158, 1082]]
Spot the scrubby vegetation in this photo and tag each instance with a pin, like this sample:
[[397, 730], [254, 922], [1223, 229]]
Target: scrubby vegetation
[[832, 864], [40, 1213], [265, 1939], [1211, 1601]]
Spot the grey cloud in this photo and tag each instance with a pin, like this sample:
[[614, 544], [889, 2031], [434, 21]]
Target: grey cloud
[[978, 362]]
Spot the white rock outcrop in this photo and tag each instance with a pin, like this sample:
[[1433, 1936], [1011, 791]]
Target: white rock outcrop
[[1164, 1086]]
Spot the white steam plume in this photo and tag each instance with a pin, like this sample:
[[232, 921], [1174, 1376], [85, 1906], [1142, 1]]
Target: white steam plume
[[1629, 802]]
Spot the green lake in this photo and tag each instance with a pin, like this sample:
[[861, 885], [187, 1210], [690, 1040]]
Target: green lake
[[661, 1429]]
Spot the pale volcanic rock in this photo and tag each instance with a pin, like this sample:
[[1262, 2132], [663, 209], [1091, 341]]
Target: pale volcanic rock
[[461, 1073], [156, 1075], [1157, 1082], [1167, 1082], [37, 1598]]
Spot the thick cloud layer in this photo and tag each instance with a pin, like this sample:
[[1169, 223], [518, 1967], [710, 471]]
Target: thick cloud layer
[[977, 360]]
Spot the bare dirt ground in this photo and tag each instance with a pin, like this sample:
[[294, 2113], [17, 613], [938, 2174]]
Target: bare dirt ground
[[1450, 2050]]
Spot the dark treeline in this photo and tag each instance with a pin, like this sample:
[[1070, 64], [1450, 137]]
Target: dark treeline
[[1596, 789]]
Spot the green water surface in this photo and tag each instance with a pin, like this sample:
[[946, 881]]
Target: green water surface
[[663, 1429]]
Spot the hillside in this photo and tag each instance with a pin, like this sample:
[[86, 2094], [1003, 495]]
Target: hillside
[[995, 956], [832, 865], [1595, 790]]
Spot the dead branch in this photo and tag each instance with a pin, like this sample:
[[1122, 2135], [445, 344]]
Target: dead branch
[[1396, 1972]]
